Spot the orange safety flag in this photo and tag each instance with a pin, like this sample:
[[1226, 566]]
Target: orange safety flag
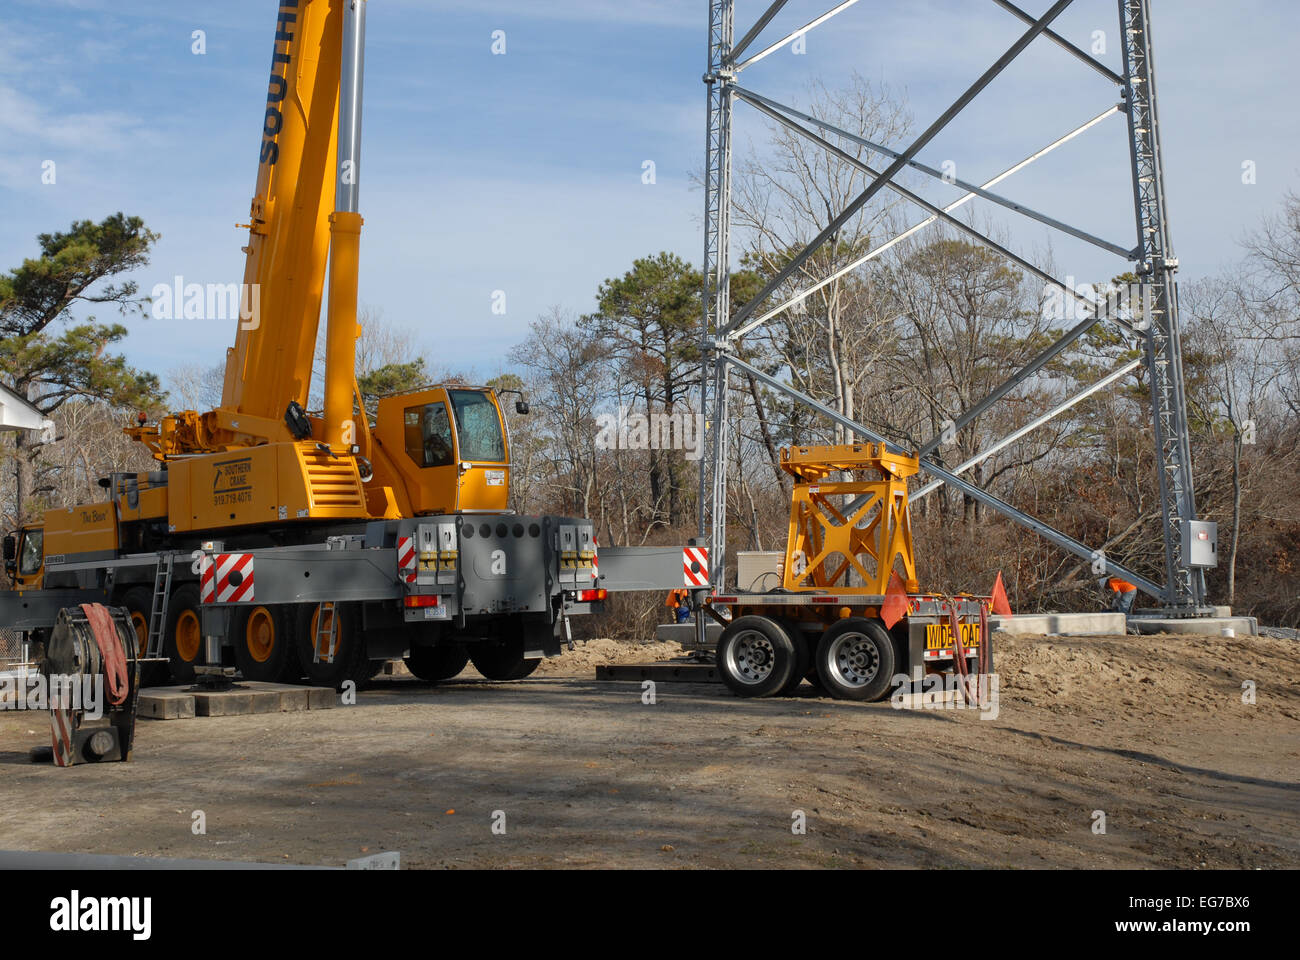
[[677, 597], [1000, 605], [1120, 586], [895, 606]]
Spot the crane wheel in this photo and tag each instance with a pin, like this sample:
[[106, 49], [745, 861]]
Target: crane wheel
[[856, 660], [502, 659], [756, 657], [262, 638], [437, 663], [350, 660], [183, 637], [138, 602]]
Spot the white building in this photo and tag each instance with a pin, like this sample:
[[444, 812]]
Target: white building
[[17, 414]]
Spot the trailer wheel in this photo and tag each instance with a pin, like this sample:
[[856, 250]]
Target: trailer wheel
[[855, 660], [439, 662], [262, 638], [502, 659], [350, 660], [755, 657], [803, 657], [183, 638]]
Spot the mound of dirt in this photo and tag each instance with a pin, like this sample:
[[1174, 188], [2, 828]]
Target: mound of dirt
[[585, 657], [1141, 676]]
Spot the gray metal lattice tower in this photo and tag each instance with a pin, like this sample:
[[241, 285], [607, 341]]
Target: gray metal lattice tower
[[717, 280], [1156, 267], [1155, 325]]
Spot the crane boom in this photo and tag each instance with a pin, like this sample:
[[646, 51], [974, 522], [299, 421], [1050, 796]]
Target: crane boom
[[259, 459], [288, 245]]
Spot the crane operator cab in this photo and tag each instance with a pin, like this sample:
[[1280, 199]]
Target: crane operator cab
[[449, 447]]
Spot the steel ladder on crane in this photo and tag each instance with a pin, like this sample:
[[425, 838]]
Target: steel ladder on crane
[[162, 588]]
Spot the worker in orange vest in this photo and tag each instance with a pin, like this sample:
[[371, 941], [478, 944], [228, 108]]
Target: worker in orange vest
[[680, 600], [1122, 594]]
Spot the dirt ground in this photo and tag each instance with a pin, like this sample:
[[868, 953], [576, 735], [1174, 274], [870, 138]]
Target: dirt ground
[[1151, 731]]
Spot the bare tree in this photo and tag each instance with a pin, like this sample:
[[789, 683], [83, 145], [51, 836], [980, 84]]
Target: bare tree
[[783, 196]]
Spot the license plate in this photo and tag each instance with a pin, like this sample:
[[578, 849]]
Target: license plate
[[938, 636], [436, 613]]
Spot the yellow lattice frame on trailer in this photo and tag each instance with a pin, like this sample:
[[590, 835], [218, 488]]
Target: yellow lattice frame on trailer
[[835, 524]]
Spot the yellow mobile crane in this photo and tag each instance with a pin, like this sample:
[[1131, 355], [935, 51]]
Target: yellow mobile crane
[[305, 209], [322, 545]]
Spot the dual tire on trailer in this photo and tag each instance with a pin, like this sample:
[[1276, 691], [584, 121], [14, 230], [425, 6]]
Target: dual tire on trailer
[[854, 659]]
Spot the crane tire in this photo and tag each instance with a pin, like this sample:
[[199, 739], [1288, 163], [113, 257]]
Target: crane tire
[[502, 659], [439, 662], [183, 636]]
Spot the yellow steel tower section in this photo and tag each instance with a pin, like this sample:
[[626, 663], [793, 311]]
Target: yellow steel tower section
[[859, 525]]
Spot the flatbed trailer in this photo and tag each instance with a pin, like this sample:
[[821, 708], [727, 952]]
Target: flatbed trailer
[[772, 641]]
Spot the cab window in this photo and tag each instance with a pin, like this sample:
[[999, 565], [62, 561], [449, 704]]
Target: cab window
[[428, 435], [32, 554], [478, 426]]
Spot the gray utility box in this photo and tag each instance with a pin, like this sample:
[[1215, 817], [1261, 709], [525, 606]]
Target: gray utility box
[[1200, 544], [758, 570]]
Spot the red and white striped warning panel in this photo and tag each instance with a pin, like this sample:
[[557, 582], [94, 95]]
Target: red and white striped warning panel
[[695, 566], [207, 591], [406, 558], [227, 578], [61, 726]]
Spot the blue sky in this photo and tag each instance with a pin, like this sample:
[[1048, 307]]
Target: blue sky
[[522, 172]]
